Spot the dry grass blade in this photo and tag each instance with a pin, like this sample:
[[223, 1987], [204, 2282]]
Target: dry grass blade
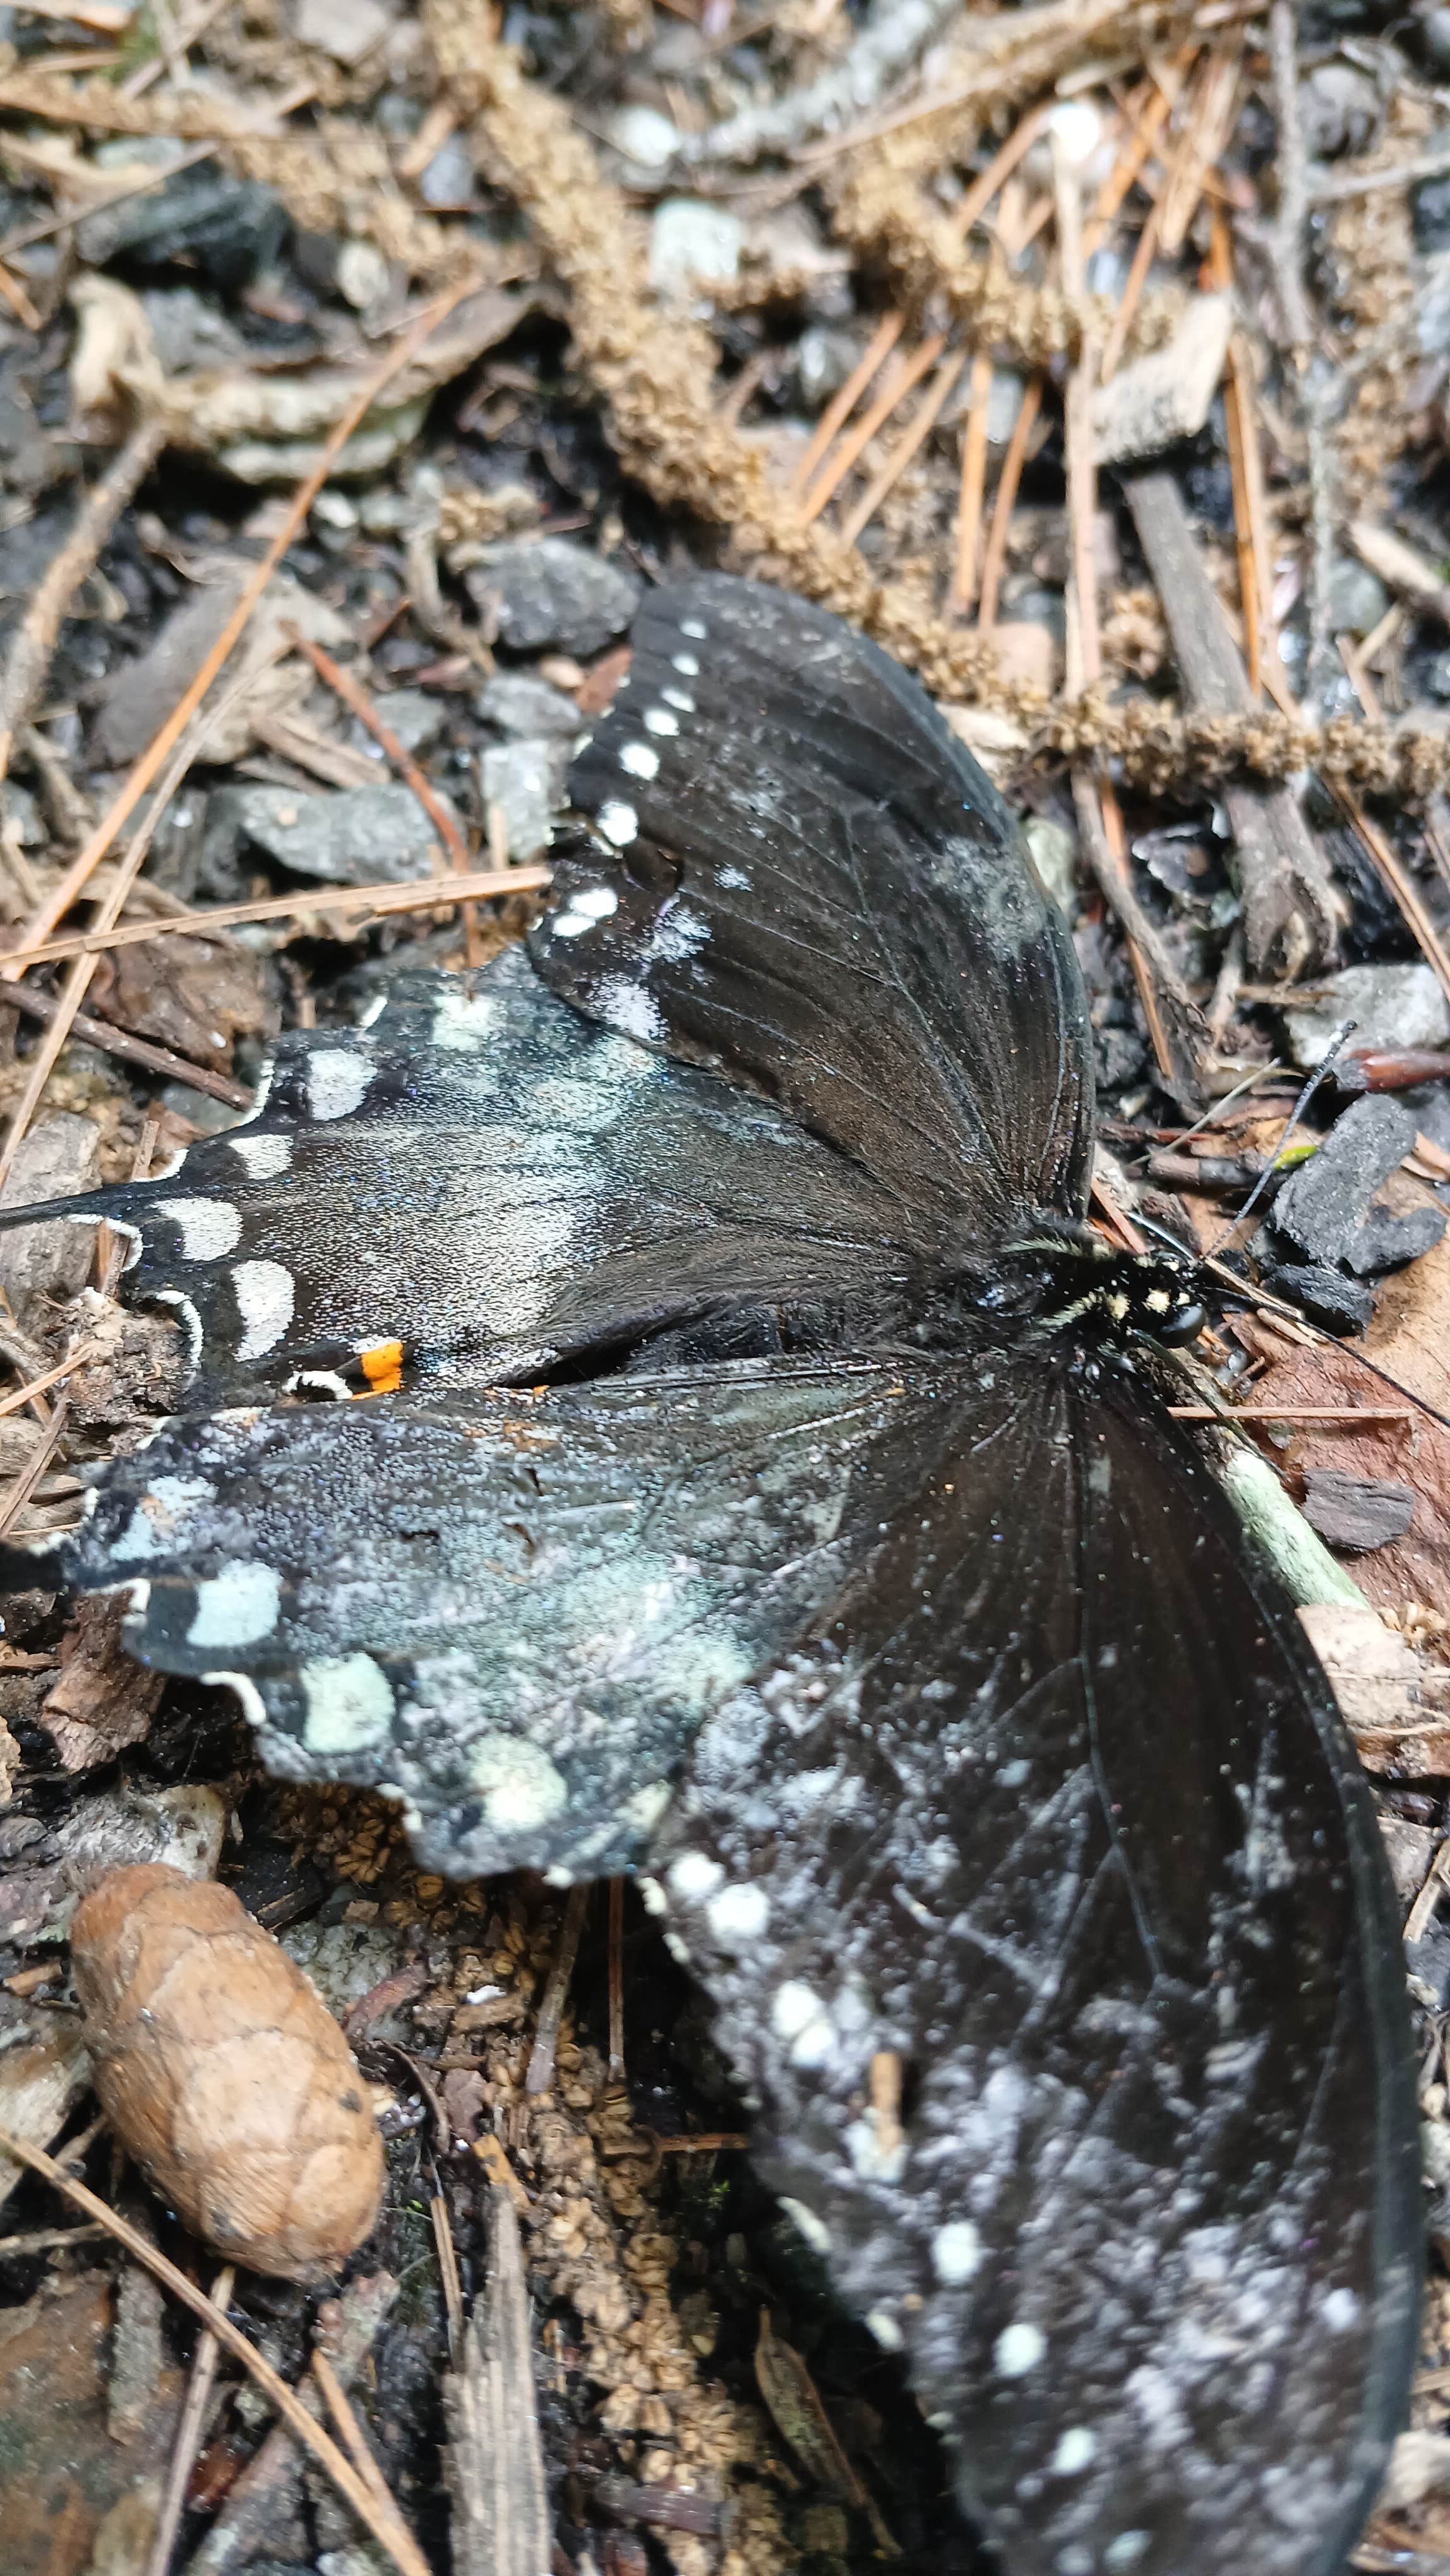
[[340, 2408], [540, 2075], [20, 1396], [425, 895], [898, 385], [923, 421], [408, 2559], [1143, 258], [841, 405], [356, 699], [34, 641]]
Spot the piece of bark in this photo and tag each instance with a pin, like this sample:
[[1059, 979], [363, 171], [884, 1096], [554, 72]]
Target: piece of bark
[[1396, 1702], [40, 2084], [1288, 896], [1356, 1513], [267, 2491], [103, 1699], [495, 2467], [1166, 395], [57, 1160]]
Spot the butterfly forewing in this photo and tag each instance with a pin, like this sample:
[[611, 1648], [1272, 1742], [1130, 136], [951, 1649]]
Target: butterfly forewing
[[798, 875], [1039, 1897]]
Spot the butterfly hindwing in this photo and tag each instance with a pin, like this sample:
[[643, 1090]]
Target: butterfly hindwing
[[1041, 1902], [509, 1609], [798, 875]]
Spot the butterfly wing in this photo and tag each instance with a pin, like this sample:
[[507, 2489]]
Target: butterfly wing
[[482, 1174], [799, 876], [1062, 1844], [510, 1609]]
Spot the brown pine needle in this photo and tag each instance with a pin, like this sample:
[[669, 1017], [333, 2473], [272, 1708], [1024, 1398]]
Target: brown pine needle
[[1290, 1413], [398, 2543], [34, 1468], [973, 484], [923, 421], [189, 2430], [842, 404], [1146, 124], [985, 186], [424, 895], [20, 1396], [995, 559], [340, 2408], [898, 385], [368, 713]]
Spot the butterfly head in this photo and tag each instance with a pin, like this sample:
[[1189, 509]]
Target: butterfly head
[[1068, 1277]]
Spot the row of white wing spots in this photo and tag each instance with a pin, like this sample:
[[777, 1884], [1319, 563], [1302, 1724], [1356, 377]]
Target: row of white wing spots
[[209, 1227], [583, 909]]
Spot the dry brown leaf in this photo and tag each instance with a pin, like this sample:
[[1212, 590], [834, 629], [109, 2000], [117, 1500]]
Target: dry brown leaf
[[102, 1700]]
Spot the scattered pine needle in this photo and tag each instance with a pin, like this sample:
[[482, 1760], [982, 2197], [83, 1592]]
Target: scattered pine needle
[[923, 421], [973, 485], [838, 411], [421, 895], [898, 385], [995, 559], [189, 2431]]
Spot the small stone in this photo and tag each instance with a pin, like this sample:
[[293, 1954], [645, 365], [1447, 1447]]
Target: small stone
[[346, 29], [526, 781], [1325, 1208], [228, 228], [23, 815], [1356, 598], [1054, 856], [645, 137], [1339, 109], [1430, 203], [189, 332], [1391, 1006], [1339, 1305], [517, 703], [448, 179], [552, 593], [824, 359], [414, 715], [345, 1961], [1434, 32], [693, 243], [362, 275], [358, 837]]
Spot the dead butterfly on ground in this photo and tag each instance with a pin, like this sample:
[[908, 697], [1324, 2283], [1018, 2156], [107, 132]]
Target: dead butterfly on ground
[[773, 1490]]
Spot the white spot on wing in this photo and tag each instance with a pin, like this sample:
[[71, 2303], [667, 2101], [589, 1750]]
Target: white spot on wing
[[644, 1809], [659, 720], [686, 664], [693, 626], [254, 1707], [520, 1787], [956, 2252], [462, 1021], [813, 2229], [374, 1011], [265, 1158], [190, 1321], [1017, 2350], [627, 1006], [619, 823], [349, 1705], [1076, 2451], [266, 1296], [236, 1606], [337, 1082], [738, 1913], [886, 2330], [639, 760], [209, 1228], [680, 698], [695, 1875]]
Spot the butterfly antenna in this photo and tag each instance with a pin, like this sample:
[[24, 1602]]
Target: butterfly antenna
[[1337, 1044]]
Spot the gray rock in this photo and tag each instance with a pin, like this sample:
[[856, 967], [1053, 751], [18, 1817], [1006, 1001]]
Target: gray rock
[[552, 593], [448, 179], [414, 715], [824, 359], [1391, 1006], [21, 811], [190, 332], [229, 228], [141, 694], [520, 704], [1356, 598], [693, 243], [526, 780], [361, 836], [1341, 1305], [644, 137], [56, 1160], [1339, 109], [1054, 855], [1325, 1209], [1356, 1513]]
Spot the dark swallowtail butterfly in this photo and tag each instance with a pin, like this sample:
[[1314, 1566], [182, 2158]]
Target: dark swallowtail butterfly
[[774, 1491]]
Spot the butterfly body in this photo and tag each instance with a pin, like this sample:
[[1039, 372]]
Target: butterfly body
[[778, 1495]]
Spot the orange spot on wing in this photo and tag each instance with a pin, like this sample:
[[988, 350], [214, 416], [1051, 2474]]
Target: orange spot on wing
[[382, 1366]]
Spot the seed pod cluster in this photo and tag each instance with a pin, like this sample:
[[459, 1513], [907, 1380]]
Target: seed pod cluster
[[223, 2073]]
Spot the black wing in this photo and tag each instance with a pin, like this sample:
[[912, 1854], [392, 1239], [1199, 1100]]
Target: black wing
[[1050, 1815], [799, 876], [511, 1610], [483, 1174]]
